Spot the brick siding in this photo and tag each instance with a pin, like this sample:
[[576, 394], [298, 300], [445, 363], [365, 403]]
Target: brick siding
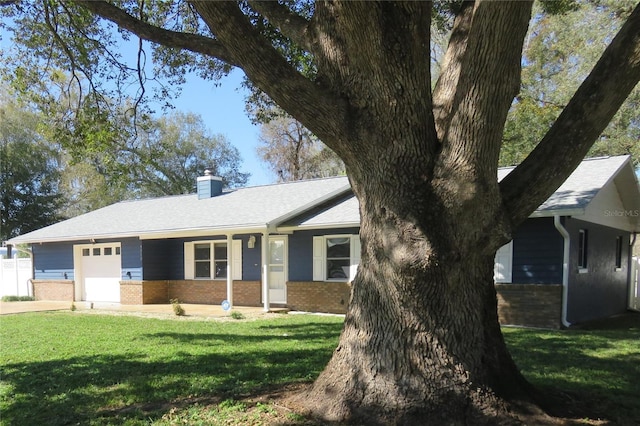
[[213, 292], [62, 290], [316, 296], [247, 293], [532, 305], [143, 292]]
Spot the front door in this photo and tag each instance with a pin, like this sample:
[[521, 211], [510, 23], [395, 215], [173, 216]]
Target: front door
[[278, 269]]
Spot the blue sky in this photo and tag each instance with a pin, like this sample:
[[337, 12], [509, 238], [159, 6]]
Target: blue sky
[[222, 111], [221, 108]]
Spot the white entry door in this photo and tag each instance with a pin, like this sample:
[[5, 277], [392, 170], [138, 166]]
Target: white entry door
[[278, 269], [101, 272]]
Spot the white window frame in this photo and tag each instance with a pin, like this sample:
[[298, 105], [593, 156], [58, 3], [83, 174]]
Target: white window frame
[[320, 257], [503, 264], [235, 266]]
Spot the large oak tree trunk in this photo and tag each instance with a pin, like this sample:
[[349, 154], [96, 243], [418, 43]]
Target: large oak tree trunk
[[421, 343]]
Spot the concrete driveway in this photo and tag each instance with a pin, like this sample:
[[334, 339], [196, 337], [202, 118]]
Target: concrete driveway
[[191, 310]]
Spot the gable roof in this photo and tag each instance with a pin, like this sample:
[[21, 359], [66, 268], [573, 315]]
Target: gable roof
[[311, 204], [571, 199], [246, 209], [575, 194]]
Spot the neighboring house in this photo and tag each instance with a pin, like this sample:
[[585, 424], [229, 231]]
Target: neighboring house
[[296, 245]]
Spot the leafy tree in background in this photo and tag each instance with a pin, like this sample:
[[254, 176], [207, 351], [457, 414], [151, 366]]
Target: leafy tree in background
[[421, 339], [29, 176], [559, 52], [292, 152], [172, 151]]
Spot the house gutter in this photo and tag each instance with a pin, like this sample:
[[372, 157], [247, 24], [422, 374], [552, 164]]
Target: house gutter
[[565, 268]]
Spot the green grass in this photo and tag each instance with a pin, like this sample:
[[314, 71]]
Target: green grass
[[73, 368], [601, 367], [66, 368], [17, 298]]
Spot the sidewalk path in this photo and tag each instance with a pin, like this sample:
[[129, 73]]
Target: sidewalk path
[[191, 310]]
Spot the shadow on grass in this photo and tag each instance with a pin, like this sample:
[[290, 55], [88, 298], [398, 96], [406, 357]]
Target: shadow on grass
[[86, 390], [596, 370]]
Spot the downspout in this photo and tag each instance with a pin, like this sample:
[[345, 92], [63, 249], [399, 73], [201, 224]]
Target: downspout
[[230, 270], [265, 269], [565, 268]]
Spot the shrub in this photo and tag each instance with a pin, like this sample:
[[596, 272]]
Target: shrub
[[237, 315], [177, 308], [18, 298]]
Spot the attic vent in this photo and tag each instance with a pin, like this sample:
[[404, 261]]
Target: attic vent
[[209, 185]]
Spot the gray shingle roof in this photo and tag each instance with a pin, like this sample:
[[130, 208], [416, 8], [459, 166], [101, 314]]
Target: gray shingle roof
[[581, 186], [574, 194], [241, 209], [305, 204]]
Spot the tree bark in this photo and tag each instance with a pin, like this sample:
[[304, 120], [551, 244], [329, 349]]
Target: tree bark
[[421, 342]]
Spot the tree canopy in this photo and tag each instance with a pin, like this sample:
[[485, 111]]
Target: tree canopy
[[29, 174], [553, 70], [292, 152]]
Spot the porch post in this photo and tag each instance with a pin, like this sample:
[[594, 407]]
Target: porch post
[[265, 270], [229, 269]]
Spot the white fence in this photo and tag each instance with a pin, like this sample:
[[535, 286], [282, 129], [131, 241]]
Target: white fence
[[634, 294], [14, 277]]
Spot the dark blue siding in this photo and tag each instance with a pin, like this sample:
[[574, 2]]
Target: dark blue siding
[[51, 261], [131, 252], [537, 253], [251, 258], [602, 290], [301, 251], [163, 259]]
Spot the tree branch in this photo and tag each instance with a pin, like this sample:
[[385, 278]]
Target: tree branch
[[319, 110], [481, 79], [578, 126], [444, 90], [179, 40], [290, 24]]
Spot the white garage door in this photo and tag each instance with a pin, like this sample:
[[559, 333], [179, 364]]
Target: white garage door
[[101, 272]]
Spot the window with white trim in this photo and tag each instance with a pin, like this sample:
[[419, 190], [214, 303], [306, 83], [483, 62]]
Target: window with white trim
[[335, 257], [209, 260]]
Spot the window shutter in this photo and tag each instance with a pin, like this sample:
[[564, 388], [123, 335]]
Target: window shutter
[[236, 254], [503, 264], [189, 272], [355, 256], [318, 259]]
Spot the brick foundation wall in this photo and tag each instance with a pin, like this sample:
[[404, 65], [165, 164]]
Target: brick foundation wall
[[143, 292], [317, 296], [247, 293], [62, 290], [213, 292], [155, 292], [532, 305], [131, 292], [208, 292]]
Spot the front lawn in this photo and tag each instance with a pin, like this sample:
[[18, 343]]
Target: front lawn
[[77, 368], [68, 368]]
